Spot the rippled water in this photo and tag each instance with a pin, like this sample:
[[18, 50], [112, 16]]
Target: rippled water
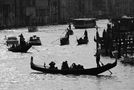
[[16, 74]]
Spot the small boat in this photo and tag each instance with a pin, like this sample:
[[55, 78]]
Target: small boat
[[80, 23], [20, 48], [32, 29], [12, 40], [65, 40], [34, 40], [90, 71], [83, 40]]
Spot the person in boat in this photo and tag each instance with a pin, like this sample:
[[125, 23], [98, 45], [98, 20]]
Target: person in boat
[[85, 35], [44, 65], [13, 45], [73, 66], [67, 35], [69, 26], [80, 39], [64, 65], [80, 66], [22, 40], [31, 38], [98, 59], [52, 65], [76, 67]]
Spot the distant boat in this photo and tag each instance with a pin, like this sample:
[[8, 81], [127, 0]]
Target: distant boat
[[34, 40], [84, 23], [11, 40], [65, 40], [32, 29], [90, 71], [83, 40]]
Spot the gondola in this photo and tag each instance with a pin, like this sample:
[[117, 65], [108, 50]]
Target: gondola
[[32, 29], [82, 41], [90, 71], [20, 48], [81, 23], [65, 40]]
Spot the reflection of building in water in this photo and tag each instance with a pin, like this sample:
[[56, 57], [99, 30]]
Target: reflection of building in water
[[41, 12]]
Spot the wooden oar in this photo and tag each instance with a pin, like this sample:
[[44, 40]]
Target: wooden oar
[[35, 49], [64, 31], [108, 70], [55, 40]]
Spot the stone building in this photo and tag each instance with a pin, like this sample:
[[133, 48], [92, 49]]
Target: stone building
[[14, 13]]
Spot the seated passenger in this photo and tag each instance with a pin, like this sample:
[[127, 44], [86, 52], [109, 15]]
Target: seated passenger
[[64, 65], [73, 66], [80, 39], [79, 66], [52, 65]]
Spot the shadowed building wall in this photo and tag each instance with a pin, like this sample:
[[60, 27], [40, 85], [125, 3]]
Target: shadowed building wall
[[41, 12]]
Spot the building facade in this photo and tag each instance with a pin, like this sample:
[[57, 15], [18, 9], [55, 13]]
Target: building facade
[[15, 13]]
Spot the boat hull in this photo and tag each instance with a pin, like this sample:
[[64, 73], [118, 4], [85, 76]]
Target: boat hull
[[90, 71]]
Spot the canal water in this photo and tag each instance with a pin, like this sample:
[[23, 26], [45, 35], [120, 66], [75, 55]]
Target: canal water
[[16, 74]]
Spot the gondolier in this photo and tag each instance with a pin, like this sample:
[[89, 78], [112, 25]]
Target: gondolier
[[85, 35], [98, 59], [22, 40]]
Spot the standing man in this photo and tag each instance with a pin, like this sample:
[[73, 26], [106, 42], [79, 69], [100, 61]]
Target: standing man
[[69, 26], [22, 40], [98, 59]]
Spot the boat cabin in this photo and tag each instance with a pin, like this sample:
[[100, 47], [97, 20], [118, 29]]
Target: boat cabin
[[12, 40], [32, 29], [84, 23], [34, 40]]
